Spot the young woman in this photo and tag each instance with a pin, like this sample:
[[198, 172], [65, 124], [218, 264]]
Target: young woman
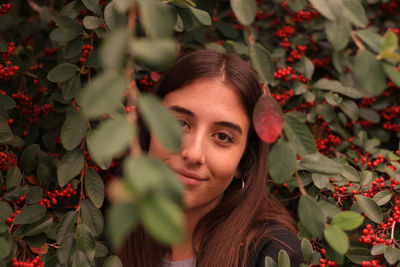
[[231, 219]]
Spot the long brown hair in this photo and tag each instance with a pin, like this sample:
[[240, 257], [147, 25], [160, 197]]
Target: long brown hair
[[230, 233]]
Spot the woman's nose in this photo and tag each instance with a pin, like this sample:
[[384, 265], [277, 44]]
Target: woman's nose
[[193, 148]]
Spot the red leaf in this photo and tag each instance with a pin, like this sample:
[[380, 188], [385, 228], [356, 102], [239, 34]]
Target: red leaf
[[268, 119], [40, 250]]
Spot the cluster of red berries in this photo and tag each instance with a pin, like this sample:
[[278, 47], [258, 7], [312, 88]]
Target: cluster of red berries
[[10, 52], [29, 110], [8, 71], [281, 98], [67, 192], [390, 8], [35, 67], [366, 101], [36, 262], [42, 89], [3, 161], [395, 127], [373, 263], [369, 236], [260, 15], [301, 16], [296, 54], [284, 33], [321, 62], [10, 220], [86, 49], [146, 83], [326, 145], [390, 113], [325, 263], [48, 52], [4, 8], [289, 74], [395, 30]]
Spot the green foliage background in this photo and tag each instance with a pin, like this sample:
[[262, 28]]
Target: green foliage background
[[73, 73]]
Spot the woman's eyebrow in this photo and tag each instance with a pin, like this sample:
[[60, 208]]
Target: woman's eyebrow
[[182, 110], [232, 125]]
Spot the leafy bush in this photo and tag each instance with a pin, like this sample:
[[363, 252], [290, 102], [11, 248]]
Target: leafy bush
[[73, 73]]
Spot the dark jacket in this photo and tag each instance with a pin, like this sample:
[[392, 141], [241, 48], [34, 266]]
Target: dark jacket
[[271, 247]]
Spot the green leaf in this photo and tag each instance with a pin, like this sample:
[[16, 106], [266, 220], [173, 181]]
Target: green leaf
[[6, 102], [162, 218], [229, 31], [62, 72], [371, 38], [160, 121], [157, 19], [157, 54], [358, 255], [324, 8], [113, 48], [147, 174], [5, 133], [103, 94], [30, 214], [321, 164], [370, 208], [4, 250], [320, 180], [5, 210], [369, 115], [93, 5], [112, 261], [378, 249], [72, 87], [392, 254], [29, 159], [355, 13], [68, 23], [366, 177], [13, 177], [85, 242], [328, 208], [299, 136], [369, 73], [392, 73], [103, 163], [282, 161], [389, 44], [338, 33], [326, 111], [92, 217], [65, 226], [73, 130], [202, 16], [336, 238], [245, 10], [382, 197], [336, 86], [297, 5], [283, 259], [348, 220], [262, 62], [114, 18], [350, 108], [269, 262], [91, 22], [39, 226], [307, 249], [350, 173], [112, 137], [63, 35], [94, 187], [69, 166], [311, 215], [122, 218], [73, 49]]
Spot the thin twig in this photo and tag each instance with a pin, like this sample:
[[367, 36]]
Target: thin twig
[[357, 40], [301, 186], [392, 232]]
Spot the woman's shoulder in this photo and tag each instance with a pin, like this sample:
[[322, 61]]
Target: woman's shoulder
[[277, 239]]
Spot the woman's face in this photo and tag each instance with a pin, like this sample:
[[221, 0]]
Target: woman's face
[[215, 126]]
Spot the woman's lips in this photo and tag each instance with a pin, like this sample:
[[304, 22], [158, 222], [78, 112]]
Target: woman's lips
[[189, 178]]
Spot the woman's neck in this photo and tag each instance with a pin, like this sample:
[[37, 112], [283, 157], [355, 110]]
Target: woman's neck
[[184, 250]]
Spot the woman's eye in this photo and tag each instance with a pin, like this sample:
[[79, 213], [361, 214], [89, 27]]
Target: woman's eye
[[224, 137], [183, 123]]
